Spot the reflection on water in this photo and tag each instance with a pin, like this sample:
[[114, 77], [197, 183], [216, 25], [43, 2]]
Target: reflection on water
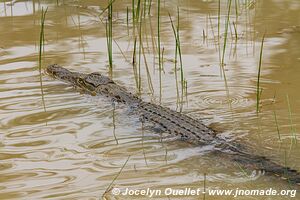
[[76, 148]]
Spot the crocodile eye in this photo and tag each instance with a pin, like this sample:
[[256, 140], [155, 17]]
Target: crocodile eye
[[80, 81], [85, 85]]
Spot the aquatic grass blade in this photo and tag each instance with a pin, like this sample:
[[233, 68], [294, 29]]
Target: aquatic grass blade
[[258, 90], [41, 45]]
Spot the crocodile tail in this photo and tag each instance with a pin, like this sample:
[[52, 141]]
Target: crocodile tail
[[268, 166]]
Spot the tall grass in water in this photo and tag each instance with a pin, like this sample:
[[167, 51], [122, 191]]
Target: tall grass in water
[[149, 7], [291, 119], [107, 7], [41, 45], [204, 186], [277, 127], [133, 10], [140, 18], [115, 178], [226, 33], [138, 51], [236, 10], [235, 30], [258, 89], [135, 72], [42, 38], [109, 35], [142, 51], [150, 85], [178, 53], [138, 10], [182, 80], [136, 63], [175, 61], [219, 19], [159, 50], [127, 20], [222, 63], [114, 122]]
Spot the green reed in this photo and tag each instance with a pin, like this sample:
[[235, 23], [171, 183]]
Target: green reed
[[143, 138], [182, 80], [258, 89], [175, 59], [135, 73], [275, 118], [138, 10], [149, 79], [286, 168], [222, 64], [186, 90], [42, 37], [236, 10], [222, 57], [159, 51], [149, 7], [127, 17], [162, 58], [226, 33], [140, 48], [219, 20], [109, 34], [178, 53], [133, 9], [144, 8], [277, 126], [150, 85], [203, 36], [136, 61], [142, 16], [115, 178], [235, 30], [41, 48], [291, 119], [204, 185], [107, 7], [114, 122]]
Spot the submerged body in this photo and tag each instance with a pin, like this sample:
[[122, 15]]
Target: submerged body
[[177, 124]]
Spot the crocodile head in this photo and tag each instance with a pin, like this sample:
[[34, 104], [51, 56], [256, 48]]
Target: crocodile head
[[88, 82], [63, 74]]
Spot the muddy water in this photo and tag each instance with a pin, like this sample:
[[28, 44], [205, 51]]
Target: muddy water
[[76, 146]]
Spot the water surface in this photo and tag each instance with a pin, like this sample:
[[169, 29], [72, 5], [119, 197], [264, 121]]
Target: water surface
[[76, 146]]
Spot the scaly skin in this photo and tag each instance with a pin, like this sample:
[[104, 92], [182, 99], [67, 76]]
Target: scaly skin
[[177, 124]]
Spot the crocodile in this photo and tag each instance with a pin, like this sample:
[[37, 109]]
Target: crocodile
[[173, 122]]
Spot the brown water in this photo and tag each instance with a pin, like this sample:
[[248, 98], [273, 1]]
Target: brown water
[[76, 147]]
